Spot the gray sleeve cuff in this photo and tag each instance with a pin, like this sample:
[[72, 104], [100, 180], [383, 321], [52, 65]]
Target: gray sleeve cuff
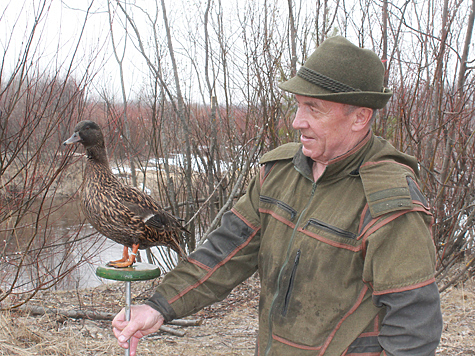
[[159, 303], [413, 322]]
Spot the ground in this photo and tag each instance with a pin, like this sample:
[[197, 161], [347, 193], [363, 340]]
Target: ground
[[458, 309], [228, 328]]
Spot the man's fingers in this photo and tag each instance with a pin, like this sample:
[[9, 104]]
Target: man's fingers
[[129, 330], [117, 332], [124, 345], [119, 318], [144, 320], [124, 342], [123, 329], [133, 345]]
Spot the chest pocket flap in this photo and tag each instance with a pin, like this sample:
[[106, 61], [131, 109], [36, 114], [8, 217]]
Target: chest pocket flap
[[386, 187]]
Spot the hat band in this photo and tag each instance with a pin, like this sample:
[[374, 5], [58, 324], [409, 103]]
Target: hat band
[[323, 81]]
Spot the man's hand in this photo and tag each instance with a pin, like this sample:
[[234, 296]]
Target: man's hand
[[144, 320]]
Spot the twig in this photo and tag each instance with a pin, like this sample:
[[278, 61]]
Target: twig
[[186, 322], [172, 331], [73, 313], [458, 276], [231, 197], [95, 315]]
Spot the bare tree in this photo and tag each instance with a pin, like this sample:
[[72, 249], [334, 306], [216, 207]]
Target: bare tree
[[120, 61], [37, 108], [211, 107]]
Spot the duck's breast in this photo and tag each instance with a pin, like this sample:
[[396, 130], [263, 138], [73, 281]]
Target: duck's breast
[[103, 209]]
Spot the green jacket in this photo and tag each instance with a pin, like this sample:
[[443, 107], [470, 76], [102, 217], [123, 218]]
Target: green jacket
[[324, 251]]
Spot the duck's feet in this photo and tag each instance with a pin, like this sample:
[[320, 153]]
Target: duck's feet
[[119, 264], [126, 260]]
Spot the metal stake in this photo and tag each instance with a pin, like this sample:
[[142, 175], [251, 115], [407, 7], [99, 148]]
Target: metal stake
[[127, 310], [138, 272]]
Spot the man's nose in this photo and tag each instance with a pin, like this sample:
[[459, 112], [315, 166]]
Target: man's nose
[[300, 121]]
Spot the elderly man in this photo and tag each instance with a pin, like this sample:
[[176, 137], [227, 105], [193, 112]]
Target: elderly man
[[336, 226]]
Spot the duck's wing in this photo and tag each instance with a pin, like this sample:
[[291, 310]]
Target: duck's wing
[[150, 212], [160, 226], [159, 220], [136, 201], [139, 210], [163, 219]]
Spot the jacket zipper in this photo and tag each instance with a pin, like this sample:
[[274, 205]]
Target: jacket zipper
[[284, 265], [291, 283], [330, 228], [280, 204]]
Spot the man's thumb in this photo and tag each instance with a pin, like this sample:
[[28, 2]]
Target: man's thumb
[[127, 332]]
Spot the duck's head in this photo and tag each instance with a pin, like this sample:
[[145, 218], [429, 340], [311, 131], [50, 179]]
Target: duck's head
[[88, 133]]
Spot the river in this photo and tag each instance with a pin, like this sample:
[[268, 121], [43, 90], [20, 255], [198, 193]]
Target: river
[[52, 246]]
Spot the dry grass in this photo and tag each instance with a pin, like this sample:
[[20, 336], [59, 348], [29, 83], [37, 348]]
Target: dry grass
[[458, 308], [26, 336], [229, 327]]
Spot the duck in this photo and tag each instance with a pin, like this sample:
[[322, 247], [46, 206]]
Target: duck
[[121, 212]]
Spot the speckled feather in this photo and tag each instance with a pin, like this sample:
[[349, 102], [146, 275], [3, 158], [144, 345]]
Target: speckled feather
[[122, 213]]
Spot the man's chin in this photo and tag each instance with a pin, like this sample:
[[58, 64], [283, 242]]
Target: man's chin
[[308, 152], [311, 154]]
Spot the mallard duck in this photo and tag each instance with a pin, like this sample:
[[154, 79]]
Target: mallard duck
[[122, 213]]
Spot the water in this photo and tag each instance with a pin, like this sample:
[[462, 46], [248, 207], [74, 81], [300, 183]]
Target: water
[[103, 251], [54, 247]]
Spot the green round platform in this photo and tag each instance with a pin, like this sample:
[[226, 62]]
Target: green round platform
[[137, 272]]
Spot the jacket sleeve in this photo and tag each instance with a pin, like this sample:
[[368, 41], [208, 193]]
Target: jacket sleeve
[[227, 258], [399, 253], [399, 265], [413, 323]]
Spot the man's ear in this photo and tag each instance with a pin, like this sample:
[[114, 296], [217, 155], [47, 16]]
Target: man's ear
[[362, 118]]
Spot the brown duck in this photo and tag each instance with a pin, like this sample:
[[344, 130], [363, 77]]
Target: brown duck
[[121, 213]]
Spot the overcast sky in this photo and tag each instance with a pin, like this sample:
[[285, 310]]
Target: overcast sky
[[60, 30], [62, 25]]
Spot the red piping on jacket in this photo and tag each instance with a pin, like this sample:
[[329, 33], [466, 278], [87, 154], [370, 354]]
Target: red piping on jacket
[[262, 176], [310, 234], [293, 344], [351, 311], [373, 226], [330, 242], [406, 288], [210, 273], [277, 217]]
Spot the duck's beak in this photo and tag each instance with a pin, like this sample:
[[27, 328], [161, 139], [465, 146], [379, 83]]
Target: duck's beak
[[73, 139]]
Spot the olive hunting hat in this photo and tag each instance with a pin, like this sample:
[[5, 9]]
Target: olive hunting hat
[[341, 72]]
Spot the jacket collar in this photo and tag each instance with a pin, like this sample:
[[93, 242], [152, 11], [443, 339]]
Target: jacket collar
[[344, 165]]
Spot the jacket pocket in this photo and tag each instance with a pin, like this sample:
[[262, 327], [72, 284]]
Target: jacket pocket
[[290, 287], [285, 207], [330, 228]]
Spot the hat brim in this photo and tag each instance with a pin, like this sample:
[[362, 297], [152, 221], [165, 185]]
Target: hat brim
[[373, 100]]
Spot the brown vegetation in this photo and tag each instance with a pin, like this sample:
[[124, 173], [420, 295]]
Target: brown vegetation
[[228, 328]]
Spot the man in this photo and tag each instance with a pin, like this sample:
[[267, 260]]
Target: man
[[336, 226]]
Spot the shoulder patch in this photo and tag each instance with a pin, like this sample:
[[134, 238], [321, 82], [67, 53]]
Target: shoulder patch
[[386, 187], [286, 151]]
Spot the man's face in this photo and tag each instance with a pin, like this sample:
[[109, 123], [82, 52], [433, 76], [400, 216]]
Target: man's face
[[326, 128]]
